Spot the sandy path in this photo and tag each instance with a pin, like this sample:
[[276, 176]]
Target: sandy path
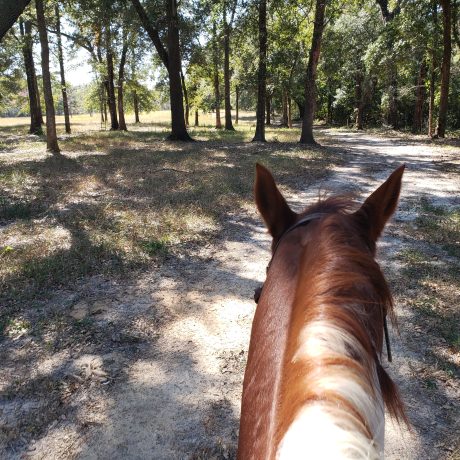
[[180, 398]]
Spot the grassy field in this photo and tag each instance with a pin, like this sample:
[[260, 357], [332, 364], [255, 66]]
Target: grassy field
[[158, 122], [120, 200]]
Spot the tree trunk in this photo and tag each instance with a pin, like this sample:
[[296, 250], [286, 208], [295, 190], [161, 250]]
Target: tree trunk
[[433, 67], [51, 135], [106, 117], [136, 107], [227, 104], [27, 52], [268, 108], [39, 102], [10, 13], [301, 108], [101, 103], [284, 121], [121, 77], [172, 62], [445, 68], [289, 104], [330, 100], [420, 99], [431, 100], [388, 16], [393, 119], [259, 135], [197, 123], [65, 102], [112, 102], [179, 130], [359, 99], [237, 102], [310, 85], [216, 76], [187, 106]]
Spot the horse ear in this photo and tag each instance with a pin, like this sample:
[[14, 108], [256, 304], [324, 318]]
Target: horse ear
[[276, 213], [381, 204]]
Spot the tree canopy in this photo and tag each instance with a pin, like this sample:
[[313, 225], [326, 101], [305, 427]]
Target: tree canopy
[[360, 63]]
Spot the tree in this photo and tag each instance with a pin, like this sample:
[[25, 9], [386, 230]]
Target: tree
[[388, 17], [445, 68], [34, 100], [228, 25], [306, 136], [65, 102], [259, 135], [170, 58], [112, 101], [215, 55], [10, 13], [121, 78], [51, 135]]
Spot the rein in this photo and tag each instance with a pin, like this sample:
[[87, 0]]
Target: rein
[[304, 221]]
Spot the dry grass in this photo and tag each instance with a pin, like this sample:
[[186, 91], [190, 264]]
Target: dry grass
[[431, 277], [119, 201]]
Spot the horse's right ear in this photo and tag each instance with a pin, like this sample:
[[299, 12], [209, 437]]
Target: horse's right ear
[[276, 213], [380, 205]]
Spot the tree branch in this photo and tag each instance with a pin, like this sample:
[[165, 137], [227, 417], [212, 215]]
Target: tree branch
[[10, 11], [152, 32]]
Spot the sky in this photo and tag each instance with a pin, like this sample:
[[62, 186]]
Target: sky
[[78, 71]]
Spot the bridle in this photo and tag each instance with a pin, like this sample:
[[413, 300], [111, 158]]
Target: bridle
[[302, 222]]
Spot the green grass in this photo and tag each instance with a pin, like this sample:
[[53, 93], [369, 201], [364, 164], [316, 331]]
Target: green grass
[[153, 247]]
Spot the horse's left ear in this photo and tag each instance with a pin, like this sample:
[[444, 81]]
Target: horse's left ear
[[380, 205], [276, 213]]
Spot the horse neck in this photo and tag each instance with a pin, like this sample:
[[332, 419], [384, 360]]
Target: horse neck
[[265, 358], [330, 399]]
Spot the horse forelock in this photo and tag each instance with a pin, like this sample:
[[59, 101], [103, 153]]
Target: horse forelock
[[331, 363]]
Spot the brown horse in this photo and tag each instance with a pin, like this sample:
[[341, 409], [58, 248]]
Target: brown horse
[[314, 386]]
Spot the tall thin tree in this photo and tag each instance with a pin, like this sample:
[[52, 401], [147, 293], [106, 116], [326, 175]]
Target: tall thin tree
[[111, 98], [420, 97], [433, 68], [215, 61], [27, 52], [306, 136], [51, 135], [388, 17], [228, 24], [445, 67], [259, 135], [121, 79], [65, 101]]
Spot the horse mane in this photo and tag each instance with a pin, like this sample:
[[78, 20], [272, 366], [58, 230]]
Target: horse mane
[[341, 288]]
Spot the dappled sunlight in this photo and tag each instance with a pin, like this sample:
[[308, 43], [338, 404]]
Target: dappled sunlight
[[133, 316]]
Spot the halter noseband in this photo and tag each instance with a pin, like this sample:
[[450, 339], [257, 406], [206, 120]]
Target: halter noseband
[[304, 221]]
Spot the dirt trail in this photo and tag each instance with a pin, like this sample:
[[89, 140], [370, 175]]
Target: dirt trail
[[180, 398]]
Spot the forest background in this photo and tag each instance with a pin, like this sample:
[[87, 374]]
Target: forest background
[[354, 63]]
